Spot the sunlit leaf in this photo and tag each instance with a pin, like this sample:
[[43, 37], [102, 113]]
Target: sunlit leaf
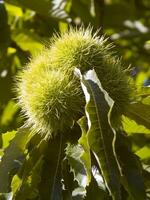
[[85, 156], [100, 133], [144, 153], [27, 40], [59, 9], [130, 126], [6, 138], [140, 113], [73, 155], [8, 113], [14, 10]]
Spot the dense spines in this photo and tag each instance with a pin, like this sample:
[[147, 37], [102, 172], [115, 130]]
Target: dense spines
[[78, 48], [81, 49], [51, 100], [50, 94]]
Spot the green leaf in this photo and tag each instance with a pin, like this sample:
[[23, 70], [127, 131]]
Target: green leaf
[[28, 187], [8, 113], [27, 40], [30, 173], [144, 153], [14, 10], [68, 180], [131, 168], [57, 9], [82, 9], [73, 155], [12, 159], [144, 93], [85, 156], [50, 186], [130, 126], [140, 113], [139, 140], [95, 191], [41, 7], [100, 134], [6, 138], [4, 30]]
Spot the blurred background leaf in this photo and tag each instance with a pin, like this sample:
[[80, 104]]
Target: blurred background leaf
[[26, 26]]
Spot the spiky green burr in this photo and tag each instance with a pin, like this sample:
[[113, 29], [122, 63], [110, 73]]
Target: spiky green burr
[[50, 94]]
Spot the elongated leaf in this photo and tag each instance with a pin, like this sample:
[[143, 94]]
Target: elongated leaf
[[29, 187], [51, 172], [140, 113], [30, 173], [85, 156], [131, 168], [100, 133], [12, 159]]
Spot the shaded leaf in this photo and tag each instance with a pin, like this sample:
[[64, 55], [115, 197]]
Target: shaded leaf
[[29, 173], [41, 7], [28, 187], [4, 30], [93, 190], [51, 171], [139, 140], [68, 180], [12, 158], [131, 168]]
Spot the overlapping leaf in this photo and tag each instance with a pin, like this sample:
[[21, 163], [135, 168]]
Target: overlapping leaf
[[100, 133], [51, 175], [30, 173], [140, 113], [12, 158], [131, 168], [85, 156], [73, 155]]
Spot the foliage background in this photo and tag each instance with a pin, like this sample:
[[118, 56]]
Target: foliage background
[[26, 26]]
